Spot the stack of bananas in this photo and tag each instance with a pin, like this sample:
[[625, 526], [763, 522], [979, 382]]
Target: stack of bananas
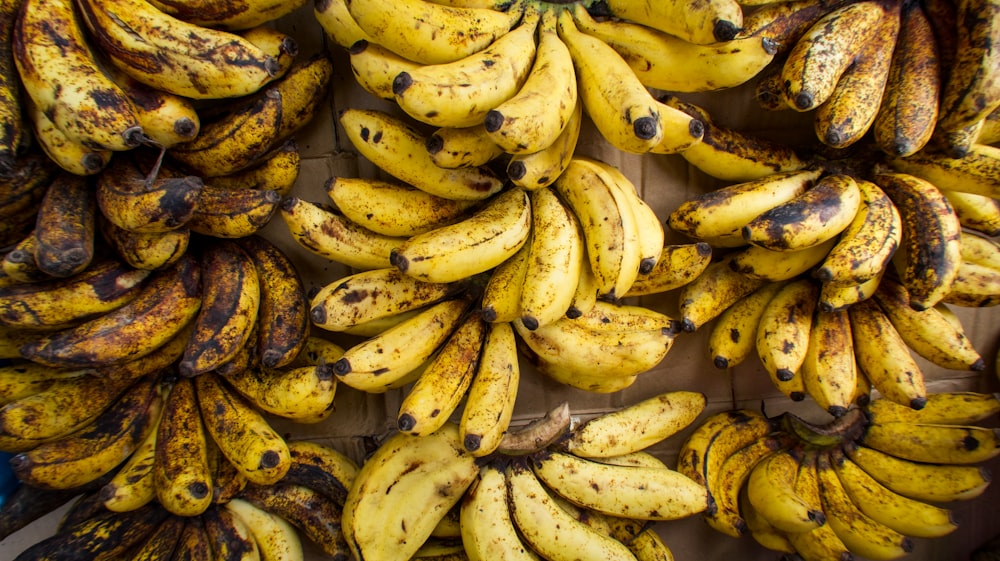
[[244, 520], [550, 490], [514, 78], [865, 484]]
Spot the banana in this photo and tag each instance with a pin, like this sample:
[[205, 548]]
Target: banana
[[277, 172], [731, 154], [865, 247], [670, 63], [146, 252], [549, 529], [415, 480], [652, 236], [232, 16], [772, 492], [276, 538], [970, 91], [677, 265], [554, 261], [229, 536], [501, 298], [725, 489], [176, 56], [732, 337], [275, 42], [443, 384], [22, 379], [717, 437], [976, 286], [539, 433], [384, 360], [884, 358], [540, 169], [283, 312], [303, 89], [12, 118], [933, 442], [648, 421], [907, 516], [430, 33], [166, 119], [182, 475], [315, 515], [600, 359], [400, 150], [139, 202], [641, 493], [338, 24], [829, 368], [73, 107], [820, 57], [518, 125], [491, 397], [487, 237], [975, 212], [457, 147], [931, 249], [321, 468], [19, 263], [610, 228], [724, 211], [222, 213], [620, 106], [852, 106], [784, 23], [100, 288], [822, 542], [949, 407], [834, 298], [65, 227], [374, 66], [487, 529], [586, 294], [106, 535], [809, 219], [68, 154], [777, 266], [238, 138], [767, 86], [715, 22], [161, 542], [973, 173], [97, 448], [22, 188], [709, 294], [762, 531], [681, 130], [133, 484], [935, 483], [165, 304], [193, 544], [929, 332], [460, 93]]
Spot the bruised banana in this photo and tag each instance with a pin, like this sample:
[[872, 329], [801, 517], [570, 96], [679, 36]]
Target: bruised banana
[[182, 476], [235, 16], [317, 517], [65, 229]]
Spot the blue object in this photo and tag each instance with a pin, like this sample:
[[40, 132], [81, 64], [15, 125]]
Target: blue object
[[7, 480]]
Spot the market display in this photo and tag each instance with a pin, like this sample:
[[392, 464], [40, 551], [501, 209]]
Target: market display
[[159, 345]]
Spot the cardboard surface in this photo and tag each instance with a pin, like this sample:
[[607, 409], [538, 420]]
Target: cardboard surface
[[665, 181]]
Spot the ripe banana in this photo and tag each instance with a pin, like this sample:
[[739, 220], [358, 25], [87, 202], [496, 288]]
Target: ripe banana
[[321, 468], [487, 238], [732, 336], [147, 252], [400, 150], [884, 356], [729, 513], [777, 266], [772, 491], [12, 118], [719, 435], [69, 154], [457, 147], [935, 483], [975, 212], [501, 298], [65, 227], [228, 15], [487, 529], [677, 265], [709, 294], [462, 92], [182, 475], [933, 442], [539, 169], [970, 92], [314, 514], [166, 119], [715, 22], [491, 397], [822, 542], [134, 201], [278, 172], [975, 172], [276, 538], [338, 23], [374, 66], [228, 535]]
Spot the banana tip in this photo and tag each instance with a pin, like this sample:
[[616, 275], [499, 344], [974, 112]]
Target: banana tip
[[725, 30], [472, 442], [406, 422], [401, 83]]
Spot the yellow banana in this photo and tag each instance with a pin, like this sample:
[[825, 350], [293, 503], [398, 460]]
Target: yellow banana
[[784, 23], [933, 442], [884, 357], [65, 229], [491, 397], [135, 201], [501, 299], [935, 483], [776, 266], [725, 488], [948, 407], [278, 172], [338, 24], [732, 336], [829, 369], [146, 252], [539, 169], [975, 212], [783, 335], [975, 172], [488, 531], [715, 22], [652, 236], [677, 265], [321, 468], [229, 535], [772, 492], [12, 118], [315, 515], [182, 476], [709, 294], [822, 542], [717, 437], [69, 154], [374, 66], [276, 538], [457, 147], [976, 286], [238, 15], [133, 484], [302, 394], [166, 119], [970, 91]]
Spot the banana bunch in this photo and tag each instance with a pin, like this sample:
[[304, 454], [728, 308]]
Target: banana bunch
[[549, 490], [483, 73], [868, 484], [251, 521], [915, 75], [125, 75]]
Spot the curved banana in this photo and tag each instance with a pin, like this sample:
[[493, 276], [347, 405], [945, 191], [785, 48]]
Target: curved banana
[[934, 442], [12, 118], [431, 33], [829, 368], [778, 266], [729, 513], [228, 309], [501, 298], [540, 169], [884, 356], [620, 106], [179, 57], [400, 150], [146, 252], [488, 531], [520, 125], [461, 93], [276, 538], [711, 23], [133, 485], [338, 24], [948, 407], [166, 119], [164, 306], [132, 200], [822, 542], [65, 228], [930, 254], [228, 535], [709, 294], [784, 23], [457, 147], [716, 438], [242, 433], [334, 236], [732, 337], [970, 92], [677, 265], [242, 14], [302, 394], [182, 475], [315, 515], [809, 219], [161, 542], [375, 67], [975, 172], [771, 490], [549, 529], [321, 468], [648, 422], [936, 483], [487, 238], [278, 172], [652, 236], [865, 247], [490, 399], [69, 154]]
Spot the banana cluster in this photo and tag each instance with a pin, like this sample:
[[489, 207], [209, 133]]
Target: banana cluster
[[866, 484], [485, 74], [247, 521], [550, 490], [130, 74], [917, 76]]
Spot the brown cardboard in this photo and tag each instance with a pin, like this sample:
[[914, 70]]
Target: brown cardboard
[[665, 180]]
